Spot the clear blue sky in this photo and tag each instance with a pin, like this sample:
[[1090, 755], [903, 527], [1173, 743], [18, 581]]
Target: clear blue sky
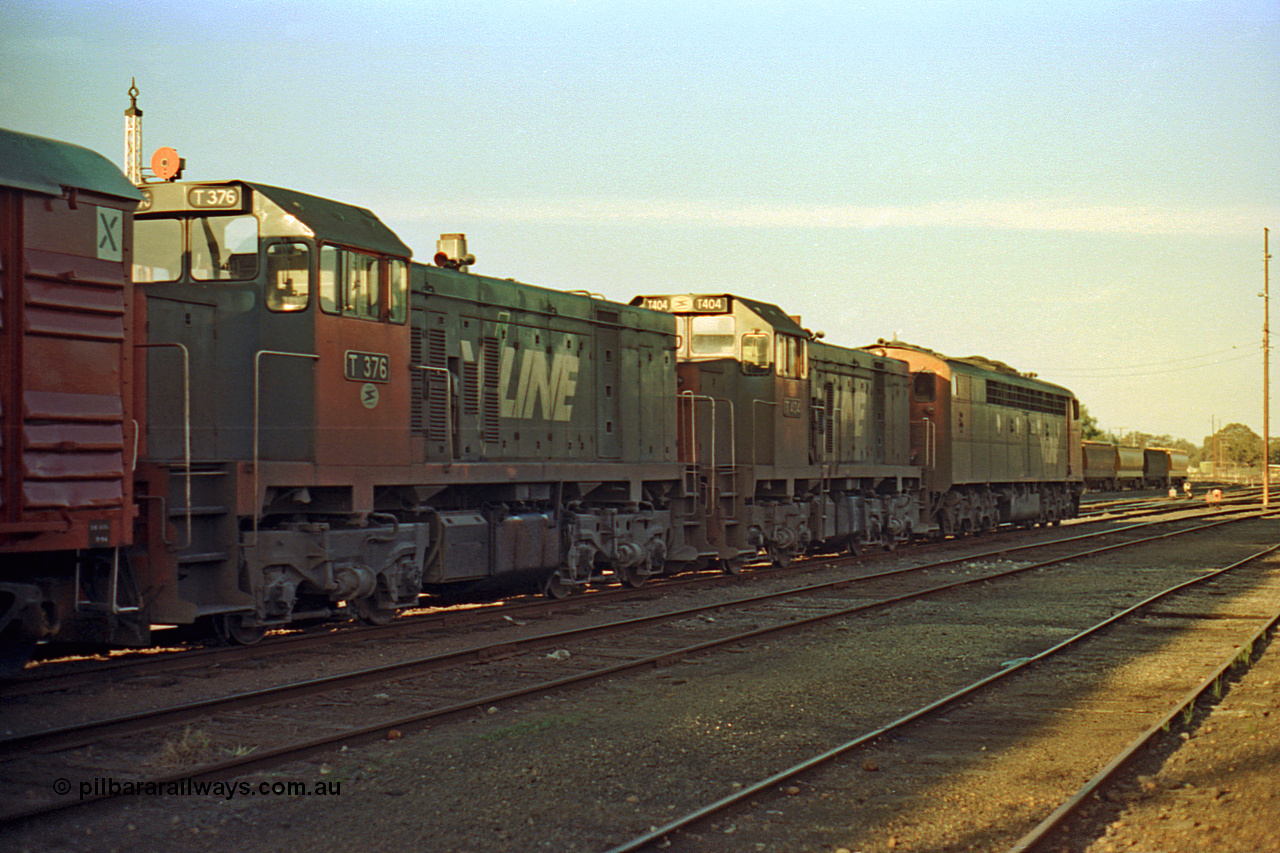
[[1076, 188]]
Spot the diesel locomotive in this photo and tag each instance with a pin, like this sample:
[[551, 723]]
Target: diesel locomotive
[[258, 409]]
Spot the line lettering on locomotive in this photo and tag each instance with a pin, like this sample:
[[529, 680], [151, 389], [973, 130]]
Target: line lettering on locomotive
[[540, 386]]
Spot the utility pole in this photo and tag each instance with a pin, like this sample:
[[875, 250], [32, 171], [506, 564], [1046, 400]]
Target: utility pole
[[1266, 368], [1213, 440]]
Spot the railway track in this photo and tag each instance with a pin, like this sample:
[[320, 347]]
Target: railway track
[[433, 688], [80, 675], [76, 674], [1025, 722]]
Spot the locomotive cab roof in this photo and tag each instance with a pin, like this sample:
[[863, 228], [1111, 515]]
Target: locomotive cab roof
[[325, 219], [771, 315]]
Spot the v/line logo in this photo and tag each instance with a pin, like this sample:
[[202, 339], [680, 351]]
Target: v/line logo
[[544, 385]]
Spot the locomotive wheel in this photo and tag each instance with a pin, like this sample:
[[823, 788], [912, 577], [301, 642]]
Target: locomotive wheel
[[556, 588], [371, 614], [232, 628], [852, 548], [781, 557], [634, 576], [732, 567]]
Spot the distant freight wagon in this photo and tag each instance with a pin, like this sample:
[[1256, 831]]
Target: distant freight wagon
[[1111, 467]]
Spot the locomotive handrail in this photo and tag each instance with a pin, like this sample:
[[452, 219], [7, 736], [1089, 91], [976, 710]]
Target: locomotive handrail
[[733, 443], [448, 406], [693, 429], [257, 401], [186, 429], [930, 443], [713, 486], [818, 414]]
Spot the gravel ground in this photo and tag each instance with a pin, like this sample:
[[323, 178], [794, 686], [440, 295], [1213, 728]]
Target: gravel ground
[[583, 771], [1217, 788]]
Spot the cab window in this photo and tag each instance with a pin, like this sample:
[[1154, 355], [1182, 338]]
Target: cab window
[[362, 286], [288, 277], [791, 357], [399, 290], [925, 387], [224, 248], [712, 334], [157, 250], [755, 353], [330, 279]]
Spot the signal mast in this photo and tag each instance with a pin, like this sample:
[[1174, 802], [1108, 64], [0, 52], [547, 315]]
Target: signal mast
[[133, 137], [166, 165]]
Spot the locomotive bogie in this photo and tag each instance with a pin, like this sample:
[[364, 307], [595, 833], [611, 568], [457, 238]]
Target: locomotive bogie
[[309, 570]]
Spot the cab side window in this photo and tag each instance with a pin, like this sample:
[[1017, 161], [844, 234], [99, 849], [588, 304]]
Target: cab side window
[[399, 290], [288, 277], [362, 286], [330, 279], [358, 284], [791, 357]]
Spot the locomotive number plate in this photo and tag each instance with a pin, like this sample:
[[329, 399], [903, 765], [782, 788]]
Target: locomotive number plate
[[657, 303], [222, 198], [709, 304], [688, 304], [367, 366]]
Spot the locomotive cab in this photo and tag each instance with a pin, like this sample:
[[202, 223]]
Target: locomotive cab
[[793, 442], [277, 379], [270, 290]]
